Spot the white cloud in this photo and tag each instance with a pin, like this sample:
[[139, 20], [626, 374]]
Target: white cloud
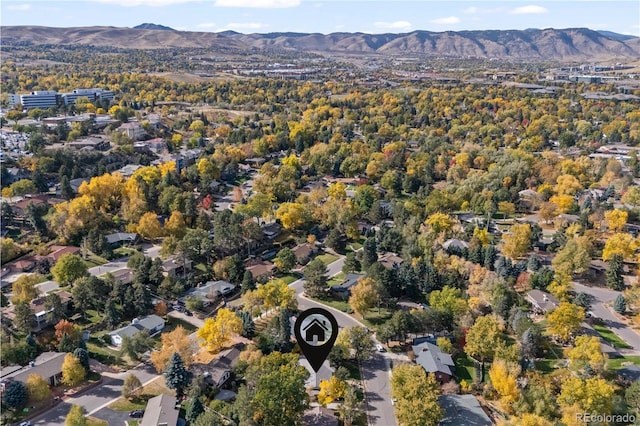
[[258, 4], [19, 7], [470, 10], [396, 25], [446, 21], [148, 3], [206, 25], [528, 10], [243, 26]]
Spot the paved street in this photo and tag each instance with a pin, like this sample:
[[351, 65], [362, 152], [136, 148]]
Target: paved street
[[598, 307], [113, 266], [375, 372], [95, 399]]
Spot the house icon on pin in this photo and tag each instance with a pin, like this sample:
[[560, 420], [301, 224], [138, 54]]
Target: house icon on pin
[[315, 332]]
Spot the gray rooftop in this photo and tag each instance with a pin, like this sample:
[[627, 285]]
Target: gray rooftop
[[432, 359], [462, 410], [349, 281], [121, 236], [160, 410], [47, 364]]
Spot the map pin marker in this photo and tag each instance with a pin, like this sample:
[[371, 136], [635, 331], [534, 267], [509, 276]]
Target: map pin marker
[[316, 330]]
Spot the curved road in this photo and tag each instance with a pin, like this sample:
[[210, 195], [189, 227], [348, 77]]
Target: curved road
[[602, 297], [375, 371]]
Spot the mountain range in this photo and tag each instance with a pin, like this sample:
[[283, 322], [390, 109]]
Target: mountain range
[[530, 44]]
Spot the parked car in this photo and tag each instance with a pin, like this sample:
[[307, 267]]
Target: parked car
[[379, 347], [27, 423], [136, 414]]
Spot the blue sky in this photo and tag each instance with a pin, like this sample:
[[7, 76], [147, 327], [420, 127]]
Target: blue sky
[[326, 16]]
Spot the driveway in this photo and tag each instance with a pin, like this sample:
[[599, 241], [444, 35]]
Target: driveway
[[112, 417], [375, 372], [602, 296], [112, 267]]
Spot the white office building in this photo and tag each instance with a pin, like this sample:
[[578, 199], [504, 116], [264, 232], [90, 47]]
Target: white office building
[[92, 94], [38, 99]]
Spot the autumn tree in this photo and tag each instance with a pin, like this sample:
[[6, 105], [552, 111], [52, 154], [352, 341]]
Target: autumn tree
[[331, 390], [73, 373], [439, 223], [217, 332], [565, 320], [594, 395], [517, 242], [616, 220], [293, 216], [448, 300], [416, 395], [131, 386], [587, 352], [504, 380], [37, 387], [620, 243], [68, 269], [76, 417], [149, 226], [176, 341], [364, 295], [483, 338], [24, 288]]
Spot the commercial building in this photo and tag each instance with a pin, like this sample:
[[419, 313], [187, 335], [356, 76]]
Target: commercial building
[[37, 99]]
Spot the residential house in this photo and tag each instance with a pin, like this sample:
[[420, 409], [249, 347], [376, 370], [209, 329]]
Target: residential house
[[219, 371], [390, 260], [455, 244], [343, 289], [37, 305], [90, 144], [255, 162], [120, 239], [47, 287], [209, 291], [20, 207], [304, 252], [124, 275], [175, 266], [542, 301], [133, 130], [324, 373], [462, 410], [128, 170], [528, 199], [272, 230], [161, 410], [319, 416], [47, 365], [56, 252], [260, 269], [152, 323], [75, 183], [26, 264], [629, 373], [433, 360]]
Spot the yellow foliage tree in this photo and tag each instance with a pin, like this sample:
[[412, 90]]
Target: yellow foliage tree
[[416, 395], [482, 235], [619, 243], [565, 320], [364, 295], [37, 387], [106, 191], [292, 215], [149, 226], [503, 377], [439, 222], [331, 390], [217, 332], [337, 191], [517, 242], [176, 226], [526, 419], [616, 219], [178, 341], [73, 373], [586, 351], [593, 395], [563, 202], [276, 294], [567, 185], [24, 288]]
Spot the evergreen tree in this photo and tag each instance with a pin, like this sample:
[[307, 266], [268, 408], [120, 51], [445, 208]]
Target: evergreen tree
[[351, 263], [620, 304], [614, 273], [316, 278], [336, 240], [248, 326], [489, 258], [247, 282], [194, 410], [15, 394], [142, 299], [67, 343], [176, 375], [112, 315], [369, 252], [83, 357], [66, 191]]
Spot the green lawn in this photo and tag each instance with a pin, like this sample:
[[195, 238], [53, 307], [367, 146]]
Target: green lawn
[[152, 389], [465, 369], [132, 423], [92, 421], [610, 337], [373, 318], [172, 323], [338, 279], [102, 353], [124, 251], [289, 278], [337, 304], [618, 363], [327, 258], [93, 260], [201, 267]]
